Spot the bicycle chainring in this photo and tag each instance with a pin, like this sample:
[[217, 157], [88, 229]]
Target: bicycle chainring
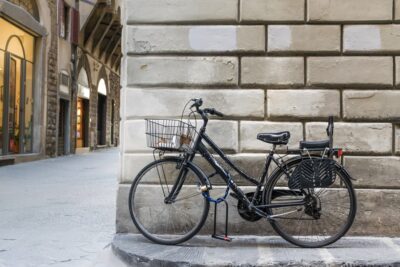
[[245, 213]]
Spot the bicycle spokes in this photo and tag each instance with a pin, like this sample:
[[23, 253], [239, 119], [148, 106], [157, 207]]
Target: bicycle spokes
[[323, 217]]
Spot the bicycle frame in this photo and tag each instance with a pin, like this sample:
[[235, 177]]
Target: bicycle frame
[[200, 147]]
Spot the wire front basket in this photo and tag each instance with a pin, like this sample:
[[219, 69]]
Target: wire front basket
[[170, 135]]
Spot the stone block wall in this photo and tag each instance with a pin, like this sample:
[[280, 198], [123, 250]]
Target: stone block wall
[[115, 88], [52, 84], [271, 65]]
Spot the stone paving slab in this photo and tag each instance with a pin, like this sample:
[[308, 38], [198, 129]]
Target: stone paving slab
[[58, 212], [136, 250], [106, 258]]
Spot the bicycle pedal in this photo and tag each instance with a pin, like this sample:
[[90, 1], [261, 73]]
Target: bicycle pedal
[[222, 237]]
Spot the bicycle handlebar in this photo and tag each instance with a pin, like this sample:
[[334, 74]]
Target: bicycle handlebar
[[198, 102]]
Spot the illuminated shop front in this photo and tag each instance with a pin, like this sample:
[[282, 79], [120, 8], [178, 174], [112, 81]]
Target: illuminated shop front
[[16, 89], [24, 51], [82, 113]]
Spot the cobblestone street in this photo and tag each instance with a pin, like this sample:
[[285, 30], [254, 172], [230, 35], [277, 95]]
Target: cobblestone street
[[58, 212]]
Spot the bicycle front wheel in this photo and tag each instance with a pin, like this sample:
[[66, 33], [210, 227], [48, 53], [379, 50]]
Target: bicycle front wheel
[[167, 222], [326, 216]]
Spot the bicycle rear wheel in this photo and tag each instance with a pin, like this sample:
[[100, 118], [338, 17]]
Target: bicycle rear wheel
[[158, 220], [326, 216]]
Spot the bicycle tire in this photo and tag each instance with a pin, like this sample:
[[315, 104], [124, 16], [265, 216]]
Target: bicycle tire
[[166, 238], [343, 176]]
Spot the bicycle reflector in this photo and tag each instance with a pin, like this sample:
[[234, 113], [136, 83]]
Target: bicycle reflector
[[340, 153]]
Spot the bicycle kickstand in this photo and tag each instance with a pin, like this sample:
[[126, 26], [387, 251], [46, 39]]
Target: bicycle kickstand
[[224, 237]]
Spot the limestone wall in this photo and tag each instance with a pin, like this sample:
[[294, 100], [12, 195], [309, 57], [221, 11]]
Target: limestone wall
[[271, 65], [52, 84]]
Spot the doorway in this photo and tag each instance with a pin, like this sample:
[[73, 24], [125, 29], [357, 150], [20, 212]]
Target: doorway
[[82, 122], [101, 113], [63, 132], [101, 119], [112, 121], [82, 113]]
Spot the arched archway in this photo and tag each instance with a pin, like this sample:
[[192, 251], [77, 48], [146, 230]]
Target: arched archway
[[14, 46], [83, 84], [102, 87], [103, 77], [101, 112]]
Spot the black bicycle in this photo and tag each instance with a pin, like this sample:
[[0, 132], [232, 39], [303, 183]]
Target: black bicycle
[[308, 199]]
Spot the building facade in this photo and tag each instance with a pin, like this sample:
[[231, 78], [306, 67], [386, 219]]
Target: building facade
[[271, 65], [40, 53], [97, 98]]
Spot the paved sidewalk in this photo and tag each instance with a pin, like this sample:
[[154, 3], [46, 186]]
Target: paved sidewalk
[[58, 212], [257, 251]]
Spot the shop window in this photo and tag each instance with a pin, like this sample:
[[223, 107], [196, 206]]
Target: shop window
[[16, 94], [21, 40], [14, 46]]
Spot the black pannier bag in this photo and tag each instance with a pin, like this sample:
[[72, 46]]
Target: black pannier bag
[[313, 173]]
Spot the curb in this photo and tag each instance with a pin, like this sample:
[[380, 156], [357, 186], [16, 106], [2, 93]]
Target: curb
[[255, 251]]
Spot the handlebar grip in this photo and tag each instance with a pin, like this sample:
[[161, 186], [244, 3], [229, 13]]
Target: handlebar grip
[[212, 111], [219, 114]]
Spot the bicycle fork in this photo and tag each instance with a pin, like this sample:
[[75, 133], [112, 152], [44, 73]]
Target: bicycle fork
[[176, 188]]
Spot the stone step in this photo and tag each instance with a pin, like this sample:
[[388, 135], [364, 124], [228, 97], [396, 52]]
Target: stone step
[[136, 250]]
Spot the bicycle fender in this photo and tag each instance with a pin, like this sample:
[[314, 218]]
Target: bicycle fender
[[199, 172], [289, 161], [344, 171]]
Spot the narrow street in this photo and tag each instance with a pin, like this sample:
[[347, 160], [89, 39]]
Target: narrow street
[[58, 212]]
